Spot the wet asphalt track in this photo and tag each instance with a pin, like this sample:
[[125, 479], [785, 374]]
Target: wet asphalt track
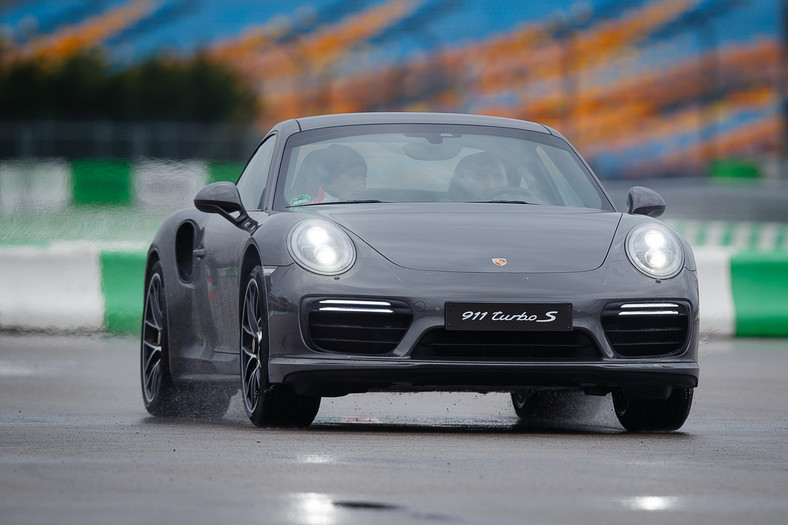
[[77, 447]]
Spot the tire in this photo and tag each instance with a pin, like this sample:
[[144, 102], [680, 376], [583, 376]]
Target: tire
[[662, 415], [161, 395], [267, 405], [538, 404]]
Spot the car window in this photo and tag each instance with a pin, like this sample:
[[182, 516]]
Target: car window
[[434, 164], [253, 180]]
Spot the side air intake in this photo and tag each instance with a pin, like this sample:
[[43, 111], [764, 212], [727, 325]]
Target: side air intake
[[646, 329], [357, 326]]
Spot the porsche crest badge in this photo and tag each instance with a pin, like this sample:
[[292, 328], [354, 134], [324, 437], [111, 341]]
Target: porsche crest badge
[[499, 261]]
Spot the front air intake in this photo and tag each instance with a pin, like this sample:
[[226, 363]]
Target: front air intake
[[442, 344], [357, 326], [645, 329]]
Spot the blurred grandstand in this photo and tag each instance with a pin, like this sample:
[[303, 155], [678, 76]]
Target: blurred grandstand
[[643, 87]]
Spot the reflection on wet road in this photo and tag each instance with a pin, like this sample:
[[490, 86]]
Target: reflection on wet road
[[78, 447]]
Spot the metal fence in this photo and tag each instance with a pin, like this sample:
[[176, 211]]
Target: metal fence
[[105, 139]]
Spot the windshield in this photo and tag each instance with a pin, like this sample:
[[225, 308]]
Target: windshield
[[433, 163]]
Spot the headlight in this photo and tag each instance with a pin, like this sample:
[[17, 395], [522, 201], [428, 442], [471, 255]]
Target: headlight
[[654, 250], [321, 247]]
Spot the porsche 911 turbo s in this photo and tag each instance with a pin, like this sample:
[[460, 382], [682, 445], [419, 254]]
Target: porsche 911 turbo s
[[416, 252]]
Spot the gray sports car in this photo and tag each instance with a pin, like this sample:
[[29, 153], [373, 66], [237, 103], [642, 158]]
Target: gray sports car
[[418, 252]]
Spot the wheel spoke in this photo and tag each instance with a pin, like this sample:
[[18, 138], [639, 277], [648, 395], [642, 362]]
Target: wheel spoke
[[250, 391], [152, 378], [249, 366], [252, 386], [248, 353], [154, 302], [251, 314], [153, 346], [150, 357], [247, 330]]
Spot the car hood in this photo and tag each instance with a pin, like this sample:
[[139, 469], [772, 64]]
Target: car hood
[[467, 238]]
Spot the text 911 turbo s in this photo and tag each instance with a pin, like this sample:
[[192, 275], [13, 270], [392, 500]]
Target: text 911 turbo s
[[417, 252]]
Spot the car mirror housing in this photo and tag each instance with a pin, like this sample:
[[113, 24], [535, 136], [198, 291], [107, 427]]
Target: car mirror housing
[[645, 201], [223, 198]]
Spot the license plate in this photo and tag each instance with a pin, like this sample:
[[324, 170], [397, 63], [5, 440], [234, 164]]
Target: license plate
[[509, 316]]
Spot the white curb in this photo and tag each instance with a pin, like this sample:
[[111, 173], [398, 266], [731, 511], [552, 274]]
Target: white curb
[[717, 311], [51, 288]]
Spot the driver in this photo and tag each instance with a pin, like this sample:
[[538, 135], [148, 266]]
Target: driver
[[475, 177], [338, 172]]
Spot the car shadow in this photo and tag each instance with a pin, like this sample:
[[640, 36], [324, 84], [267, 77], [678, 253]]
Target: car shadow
[[579, 415]]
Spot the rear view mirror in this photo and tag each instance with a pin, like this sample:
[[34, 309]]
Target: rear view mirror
[[223, 198], [429, 151], [645, 201]]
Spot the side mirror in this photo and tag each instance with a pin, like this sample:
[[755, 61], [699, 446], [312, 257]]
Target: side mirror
[[645, 201], [223, 198]]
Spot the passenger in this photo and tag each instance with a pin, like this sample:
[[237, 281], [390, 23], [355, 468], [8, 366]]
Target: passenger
[[475, 177]]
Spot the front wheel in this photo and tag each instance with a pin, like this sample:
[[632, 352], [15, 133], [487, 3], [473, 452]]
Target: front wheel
[[661, 415], [267, 405]]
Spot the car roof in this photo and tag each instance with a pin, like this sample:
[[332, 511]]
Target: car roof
[[351, 119]]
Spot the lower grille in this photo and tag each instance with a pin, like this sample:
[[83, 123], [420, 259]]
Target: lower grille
[[438, 344], [646, 329], [357, 326]]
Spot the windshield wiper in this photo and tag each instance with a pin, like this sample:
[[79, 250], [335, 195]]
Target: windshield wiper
[[504, 202], [359, 201]]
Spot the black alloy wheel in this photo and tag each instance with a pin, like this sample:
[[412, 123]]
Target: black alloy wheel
[[158, 390], [267, 405], [163, 397], [252, 325]]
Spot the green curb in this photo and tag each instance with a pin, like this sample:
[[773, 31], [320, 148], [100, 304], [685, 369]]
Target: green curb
[[122, 281], [224, 171], [101, 182], [759, 283], [734, 169]]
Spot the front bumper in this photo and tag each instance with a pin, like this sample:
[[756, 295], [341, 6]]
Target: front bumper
[[295, 358], [336, 377]]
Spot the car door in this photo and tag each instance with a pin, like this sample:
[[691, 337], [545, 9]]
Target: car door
[[218, 257]]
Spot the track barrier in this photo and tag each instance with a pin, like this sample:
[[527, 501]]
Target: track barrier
[[74, 287], [74, 235]]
